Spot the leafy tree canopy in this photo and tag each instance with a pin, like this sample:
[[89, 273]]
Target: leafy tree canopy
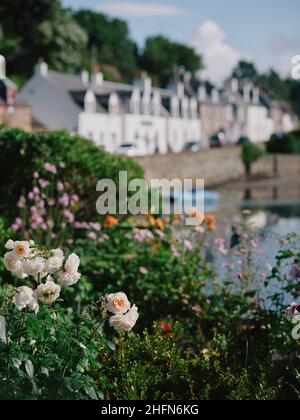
[[109, 41], [161, 56], [35, 28]]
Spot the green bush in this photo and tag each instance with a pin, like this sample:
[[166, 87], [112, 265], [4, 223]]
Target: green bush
[[162, 284], [288, 144], [22, 153], [152, 367], [250, 154]]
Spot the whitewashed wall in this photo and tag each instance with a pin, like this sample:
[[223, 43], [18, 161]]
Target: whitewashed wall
[[157, 133], [105, 130], [259, 126], [150, 129]]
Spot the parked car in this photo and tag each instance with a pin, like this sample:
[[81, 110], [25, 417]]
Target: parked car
[[193, 146], [243, 140], [217, 141], [277, 136], [131, 150]]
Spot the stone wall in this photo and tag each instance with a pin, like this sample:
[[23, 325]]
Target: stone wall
[[216, 166], [20, 118]]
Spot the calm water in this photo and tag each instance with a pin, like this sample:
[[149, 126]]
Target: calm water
[[274, 208]]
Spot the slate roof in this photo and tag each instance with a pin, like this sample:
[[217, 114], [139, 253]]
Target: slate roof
[[73, 86]]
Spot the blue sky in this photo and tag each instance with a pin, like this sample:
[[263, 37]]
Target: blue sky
[[265, 31]]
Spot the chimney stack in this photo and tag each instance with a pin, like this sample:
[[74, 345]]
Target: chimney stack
[[41, 68], [97, 78], [85, 77]]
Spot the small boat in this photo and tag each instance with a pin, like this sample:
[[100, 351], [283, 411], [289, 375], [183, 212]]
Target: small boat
[[195, 199]]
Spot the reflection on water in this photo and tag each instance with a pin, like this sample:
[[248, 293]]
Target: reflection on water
[[275, 208], [281, 219]]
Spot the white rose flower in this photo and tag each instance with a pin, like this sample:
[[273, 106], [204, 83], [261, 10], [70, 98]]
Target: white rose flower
[[10, 244], [25, 298], [48, 293], [10, 261], [22, 248], [13, 264], [67, 279], [34, 267], [19, 271], [72, 264], [125, 323], [118, 303], [58, 253], [54, 263]]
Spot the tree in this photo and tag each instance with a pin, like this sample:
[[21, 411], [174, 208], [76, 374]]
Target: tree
[[250, 154], [61, 42], [38, 28], [161, 56], [245, 70], [110, 40]]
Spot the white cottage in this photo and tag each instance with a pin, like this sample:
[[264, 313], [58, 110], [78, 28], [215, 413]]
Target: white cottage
[[154, 119], [113, 114]]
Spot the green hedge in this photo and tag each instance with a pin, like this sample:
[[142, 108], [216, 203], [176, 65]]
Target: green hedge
[[288, 144], [22, 153]]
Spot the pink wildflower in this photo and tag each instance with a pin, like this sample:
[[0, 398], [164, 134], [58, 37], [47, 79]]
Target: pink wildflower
[[143, 270]]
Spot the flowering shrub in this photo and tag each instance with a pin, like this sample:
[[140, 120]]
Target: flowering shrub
[[165, 274], [24, 153], [44, 352], [49, 214]]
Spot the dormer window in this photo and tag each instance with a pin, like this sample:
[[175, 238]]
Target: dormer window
[[146, 104], [156, 104], [113, 104], [175, 107], [185, 108], [135, 102], [194, 108], [90, 102]]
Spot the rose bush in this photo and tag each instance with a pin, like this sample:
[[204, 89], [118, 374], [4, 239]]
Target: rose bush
[[44, 352]]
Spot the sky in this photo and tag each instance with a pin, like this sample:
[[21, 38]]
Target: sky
[[266, 32]]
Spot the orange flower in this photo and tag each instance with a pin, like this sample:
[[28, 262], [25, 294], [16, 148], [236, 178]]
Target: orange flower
[[110, 222], [196, 214], [157, 223], [211, 222]]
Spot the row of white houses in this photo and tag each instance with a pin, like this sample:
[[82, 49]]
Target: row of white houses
[[153, 119]]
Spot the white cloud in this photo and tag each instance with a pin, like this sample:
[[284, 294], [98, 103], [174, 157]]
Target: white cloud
[[280, 51], [219, 57], [140, 9]]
